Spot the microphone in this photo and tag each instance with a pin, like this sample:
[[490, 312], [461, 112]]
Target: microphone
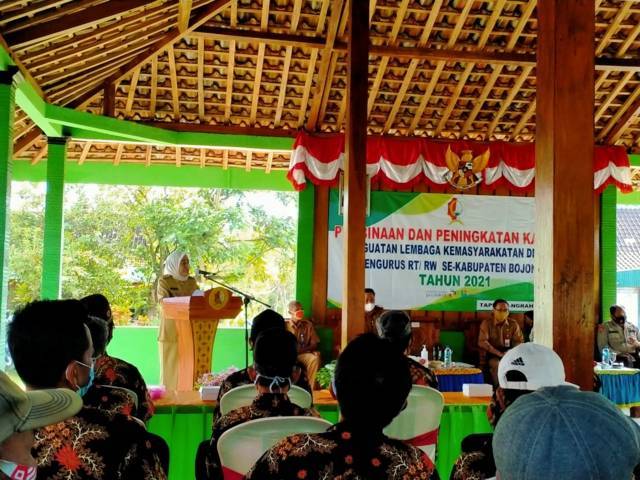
[[200, 271]]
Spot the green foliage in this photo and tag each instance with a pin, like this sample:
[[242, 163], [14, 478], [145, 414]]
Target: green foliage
[[325, 374], [117, 238]]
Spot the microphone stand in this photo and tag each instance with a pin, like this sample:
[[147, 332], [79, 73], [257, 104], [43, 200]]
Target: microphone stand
[[246, 299]]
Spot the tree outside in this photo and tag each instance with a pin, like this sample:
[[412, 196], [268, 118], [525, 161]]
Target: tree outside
[[116, 239]]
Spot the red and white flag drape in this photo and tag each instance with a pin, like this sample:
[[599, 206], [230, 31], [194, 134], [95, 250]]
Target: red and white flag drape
[[403, 162]]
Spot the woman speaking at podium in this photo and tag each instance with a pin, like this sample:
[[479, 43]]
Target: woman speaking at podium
[[175, 282]]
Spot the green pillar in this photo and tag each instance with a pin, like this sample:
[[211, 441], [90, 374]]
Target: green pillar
[[7, 105], [53, 219], [304, 261], [608, 257]]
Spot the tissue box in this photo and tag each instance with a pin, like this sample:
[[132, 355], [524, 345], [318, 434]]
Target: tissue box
[[477, 389], [209, 393]]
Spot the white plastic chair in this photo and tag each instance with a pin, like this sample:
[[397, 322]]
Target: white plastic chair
[[419, 422], [240, 447], [244, 395]]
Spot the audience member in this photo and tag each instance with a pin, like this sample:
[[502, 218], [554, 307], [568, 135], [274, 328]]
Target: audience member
[[563, 433], [497, 335], [620, 336], [523, 370], [20, 414], [307, 338], [115, 371], [51, 347], [274, 360], [372, 382], [395, 327], [371, 310], [263, 321], [106, 397]]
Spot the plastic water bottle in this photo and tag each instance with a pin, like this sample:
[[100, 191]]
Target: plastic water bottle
[[448, 353], [424, 354], [606, 356]]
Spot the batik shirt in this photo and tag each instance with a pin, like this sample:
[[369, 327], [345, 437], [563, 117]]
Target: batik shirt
[[476, 460], [95, 445], [421, 375], [112, 400], [118, 373], [341, 453], [265, 405]]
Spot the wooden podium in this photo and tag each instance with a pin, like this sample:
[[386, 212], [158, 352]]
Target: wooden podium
[[196, 319]]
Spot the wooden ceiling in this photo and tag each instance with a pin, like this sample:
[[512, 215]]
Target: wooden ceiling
[[437, 68]]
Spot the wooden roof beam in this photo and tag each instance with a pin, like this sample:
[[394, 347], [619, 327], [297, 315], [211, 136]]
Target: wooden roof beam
[[276, 39], [101, 32], [504, 105], [67, 24], [133, 84], [200, 79], [175, 93], [295, 19], [322, 83], [27, 141], [438, 70], [204, 14], [524, 119], [230, 63], [85, 153], [264, 21], [621, 120], [382, 67], [184, 14]]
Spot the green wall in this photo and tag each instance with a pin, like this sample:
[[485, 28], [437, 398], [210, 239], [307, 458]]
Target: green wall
[[139, 346]]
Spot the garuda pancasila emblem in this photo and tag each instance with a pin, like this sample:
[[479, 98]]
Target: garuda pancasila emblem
[[464, 172]]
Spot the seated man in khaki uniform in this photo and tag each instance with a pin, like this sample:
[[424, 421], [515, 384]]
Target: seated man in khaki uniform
[[620, 336], [497, 335], [307, 338]]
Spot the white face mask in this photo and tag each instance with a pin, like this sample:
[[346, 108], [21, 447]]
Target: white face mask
[[368, 307], [17, 472]]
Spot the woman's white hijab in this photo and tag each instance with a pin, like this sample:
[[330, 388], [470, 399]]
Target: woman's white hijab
[[172, 266]]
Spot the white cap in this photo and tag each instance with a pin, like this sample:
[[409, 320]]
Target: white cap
[[541, 366]]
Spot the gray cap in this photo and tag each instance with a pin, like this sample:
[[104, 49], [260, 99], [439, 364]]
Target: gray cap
[[563, 433]]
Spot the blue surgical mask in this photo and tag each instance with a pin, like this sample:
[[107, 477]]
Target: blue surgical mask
[[92, 374]]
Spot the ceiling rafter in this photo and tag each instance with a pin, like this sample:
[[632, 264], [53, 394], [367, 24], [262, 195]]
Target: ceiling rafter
[[30, 32], [312, 65], [337, 9], [184, 14], [169, 39], [201, 79], [439, 67], [295, 18], [384, 60], [231, 63], [85, 151], [524, 119], [264, 23], [101, 32], [175, 94], [77, 55], [622, 118], [526, 71]]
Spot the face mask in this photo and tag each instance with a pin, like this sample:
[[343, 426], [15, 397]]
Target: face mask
[[298, 314], [368, 307], [621, 320], [277, 383], [500, 315], [17, 472], [83, 390]]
